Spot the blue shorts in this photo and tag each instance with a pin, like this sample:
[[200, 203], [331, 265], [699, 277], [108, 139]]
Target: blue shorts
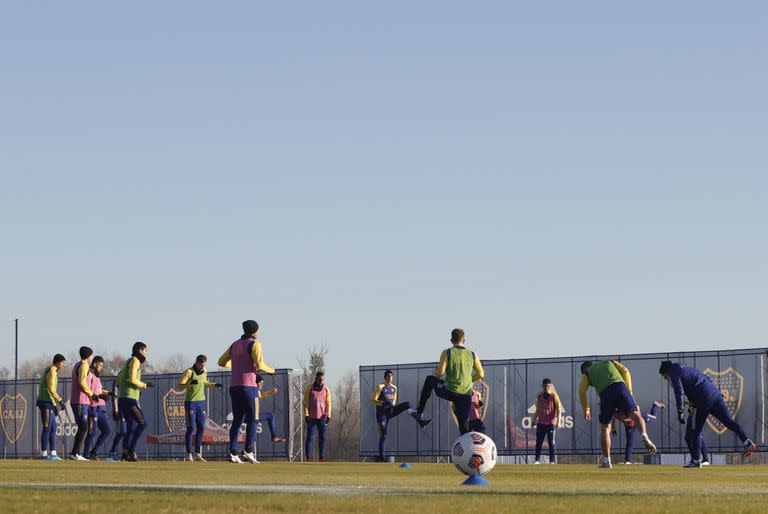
[[614, 398]]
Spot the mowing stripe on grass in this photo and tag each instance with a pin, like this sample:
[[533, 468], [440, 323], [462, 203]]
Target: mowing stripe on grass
[[332, 490]]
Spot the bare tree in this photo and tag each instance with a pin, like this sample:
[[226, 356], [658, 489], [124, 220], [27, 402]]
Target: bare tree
[[174, 363], [5, 373], [33, 368], [345, 427], [313, 362]]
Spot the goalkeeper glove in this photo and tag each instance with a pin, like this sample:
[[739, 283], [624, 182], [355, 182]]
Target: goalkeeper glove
[[217, 385], [150, 385]]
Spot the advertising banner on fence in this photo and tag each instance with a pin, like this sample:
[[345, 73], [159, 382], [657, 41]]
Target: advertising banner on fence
[[510, 387], [164, 408]]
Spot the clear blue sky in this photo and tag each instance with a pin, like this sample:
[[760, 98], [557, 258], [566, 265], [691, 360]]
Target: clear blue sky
[[558, 178]]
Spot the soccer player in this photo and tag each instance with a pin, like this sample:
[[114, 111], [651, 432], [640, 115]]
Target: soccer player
[[98, 414], [461, 368], [707, 400], [689, 428], [130, 385], [120, 426], [80, 400], [245, 358], [49, 402], [268, 417], [546, 417], [613, 384], [317, 415], [194, 381], [385, 400], [630, 430], [475, 423]]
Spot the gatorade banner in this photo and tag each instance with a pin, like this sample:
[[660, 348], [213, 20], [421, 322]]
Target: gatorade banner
[[164, 409], [509, 392]]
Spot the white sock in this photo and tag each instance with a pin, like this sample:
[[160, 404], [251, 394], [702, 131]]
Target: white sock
[[53, 453], [45, 453], [645, 435]]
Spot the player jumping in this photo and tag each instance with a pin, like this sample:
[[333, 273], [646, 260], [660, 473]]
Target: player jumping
[[613, 384], [461, 368], [707, 400], [385, 400]]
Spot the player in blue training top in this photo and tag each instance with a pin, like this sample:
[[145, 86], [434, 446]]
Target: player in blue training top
[[385, 400], [707, 400]]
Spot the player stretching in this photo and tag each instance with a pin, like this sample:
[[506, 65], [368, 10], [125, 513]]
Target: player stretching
[[245, 358], [707, 400], [98, 415], [130, 384], [80, 401], [385, 400], [317, 415], [119, 423], [461, 368], [194, 381], [631, 430], [546, 417], [613, 384], [267, 417], [49, 402]]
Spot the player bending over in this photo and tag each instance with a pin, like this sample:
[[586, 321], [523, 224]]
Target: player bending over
[[385, 400], [707, 400], [268, 417], [245, 358], [613, 384], [195, 381], [461, 368]]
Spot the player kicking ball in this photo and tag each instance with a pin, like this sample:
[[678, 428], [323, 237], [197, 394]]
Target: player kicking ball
[[461, 368], [707, 400], [385, 400], [613, 384]]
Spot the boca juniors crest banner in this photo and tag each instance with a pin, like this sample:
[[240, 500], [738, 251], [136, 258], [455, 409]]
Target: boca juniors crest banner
[[509, 390], [163, 407]]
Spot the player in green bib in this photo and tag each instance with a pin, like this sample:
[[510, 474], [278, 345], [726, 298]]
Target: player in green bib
[[130, 384], [461, 368], [194, 381], [613, 384]]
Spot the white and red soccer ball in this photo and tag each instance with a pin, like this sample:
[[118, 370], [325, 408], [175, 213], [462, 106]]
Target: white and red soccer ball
[[474, 454]]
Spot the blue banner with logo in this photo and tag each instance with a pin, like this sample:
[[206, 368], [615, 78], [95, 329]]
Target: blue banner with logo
[[509, 392], [164, 409]]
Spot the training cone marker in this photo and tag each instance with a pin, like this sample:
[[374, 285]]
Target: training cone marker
[[478, 480], [406, 465]]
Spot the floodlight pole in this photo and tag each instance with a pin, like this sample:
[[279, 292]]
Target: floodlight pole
[[16, 384]]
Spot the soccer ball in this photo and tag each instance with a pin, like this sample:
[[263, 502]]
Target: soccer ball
[[474, 454]]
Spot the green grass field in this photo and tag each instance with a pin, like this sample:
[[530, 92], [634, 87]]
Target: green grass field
[[42, 487]]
